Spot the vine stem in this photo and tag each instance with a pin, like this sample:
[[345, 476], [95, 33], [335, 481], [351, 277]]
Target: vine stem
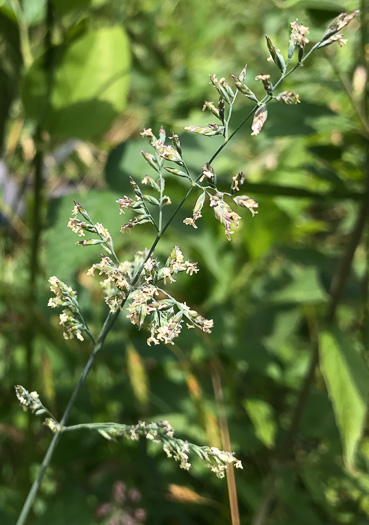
[[112, 316]]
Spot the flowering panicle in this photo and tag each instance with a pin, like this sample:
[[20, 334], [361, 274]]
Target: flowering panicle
[[237, 181], [80, 227], [177, 172], [140, 302], [288, 97], [334, 38], [338, 23], [224, 214], [176, 143], [31, 401], [215, 111], [208, 174], [265, 79], [175, 264], [196, 212], [162, 432], [226, 96], [116, 285], [209, 131], [275, 55], [163, 151], [242, 88], [28, 400], [71, 318], [298, 33], [298, 39], [260, 117], [168, 152], [137, 283], [165, 313], [243, 201], [138, 205], [224, 90]]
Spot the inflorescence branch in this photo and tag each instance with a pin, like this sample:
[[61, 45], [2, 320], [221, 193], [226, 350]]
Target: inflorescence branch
[[137, 282]]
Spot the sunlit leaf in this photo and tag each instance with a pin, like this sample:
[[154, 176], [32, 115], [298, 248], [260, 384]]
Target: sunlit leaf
[[261, 415], [84, 88], [305, 288], [347, 378]]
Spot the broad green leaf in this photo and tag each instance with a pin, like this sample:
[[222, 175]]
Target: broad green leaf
[[305, 288], [125, 161], [86, 87], [261, 415], [272, 225], [294, 120], [34, 11], [347, 379], [285, 323]]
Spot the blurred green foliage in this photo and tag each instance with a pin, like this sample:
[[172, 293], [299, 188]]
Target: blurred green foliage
[[79, 81]]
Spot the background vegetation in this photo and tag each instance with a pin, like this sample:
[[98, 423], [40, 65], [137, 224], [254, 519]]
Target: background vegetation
[[79, 81]]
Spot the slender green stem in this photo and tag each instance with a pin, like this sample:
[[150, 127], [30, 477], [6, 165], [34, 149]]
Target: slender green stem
[[54, 442]]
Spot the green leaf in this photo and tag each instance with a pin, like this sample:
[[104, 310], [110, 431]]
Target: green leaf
[[305, 288], [125, 161], [85, 87], [295, 120], [347, 379], [34, 11], [261, 415], [270, 227]]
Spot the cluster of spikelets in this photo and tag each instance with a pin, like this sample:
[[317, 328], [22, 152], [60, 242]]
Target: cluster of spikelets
[[137, 284]]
